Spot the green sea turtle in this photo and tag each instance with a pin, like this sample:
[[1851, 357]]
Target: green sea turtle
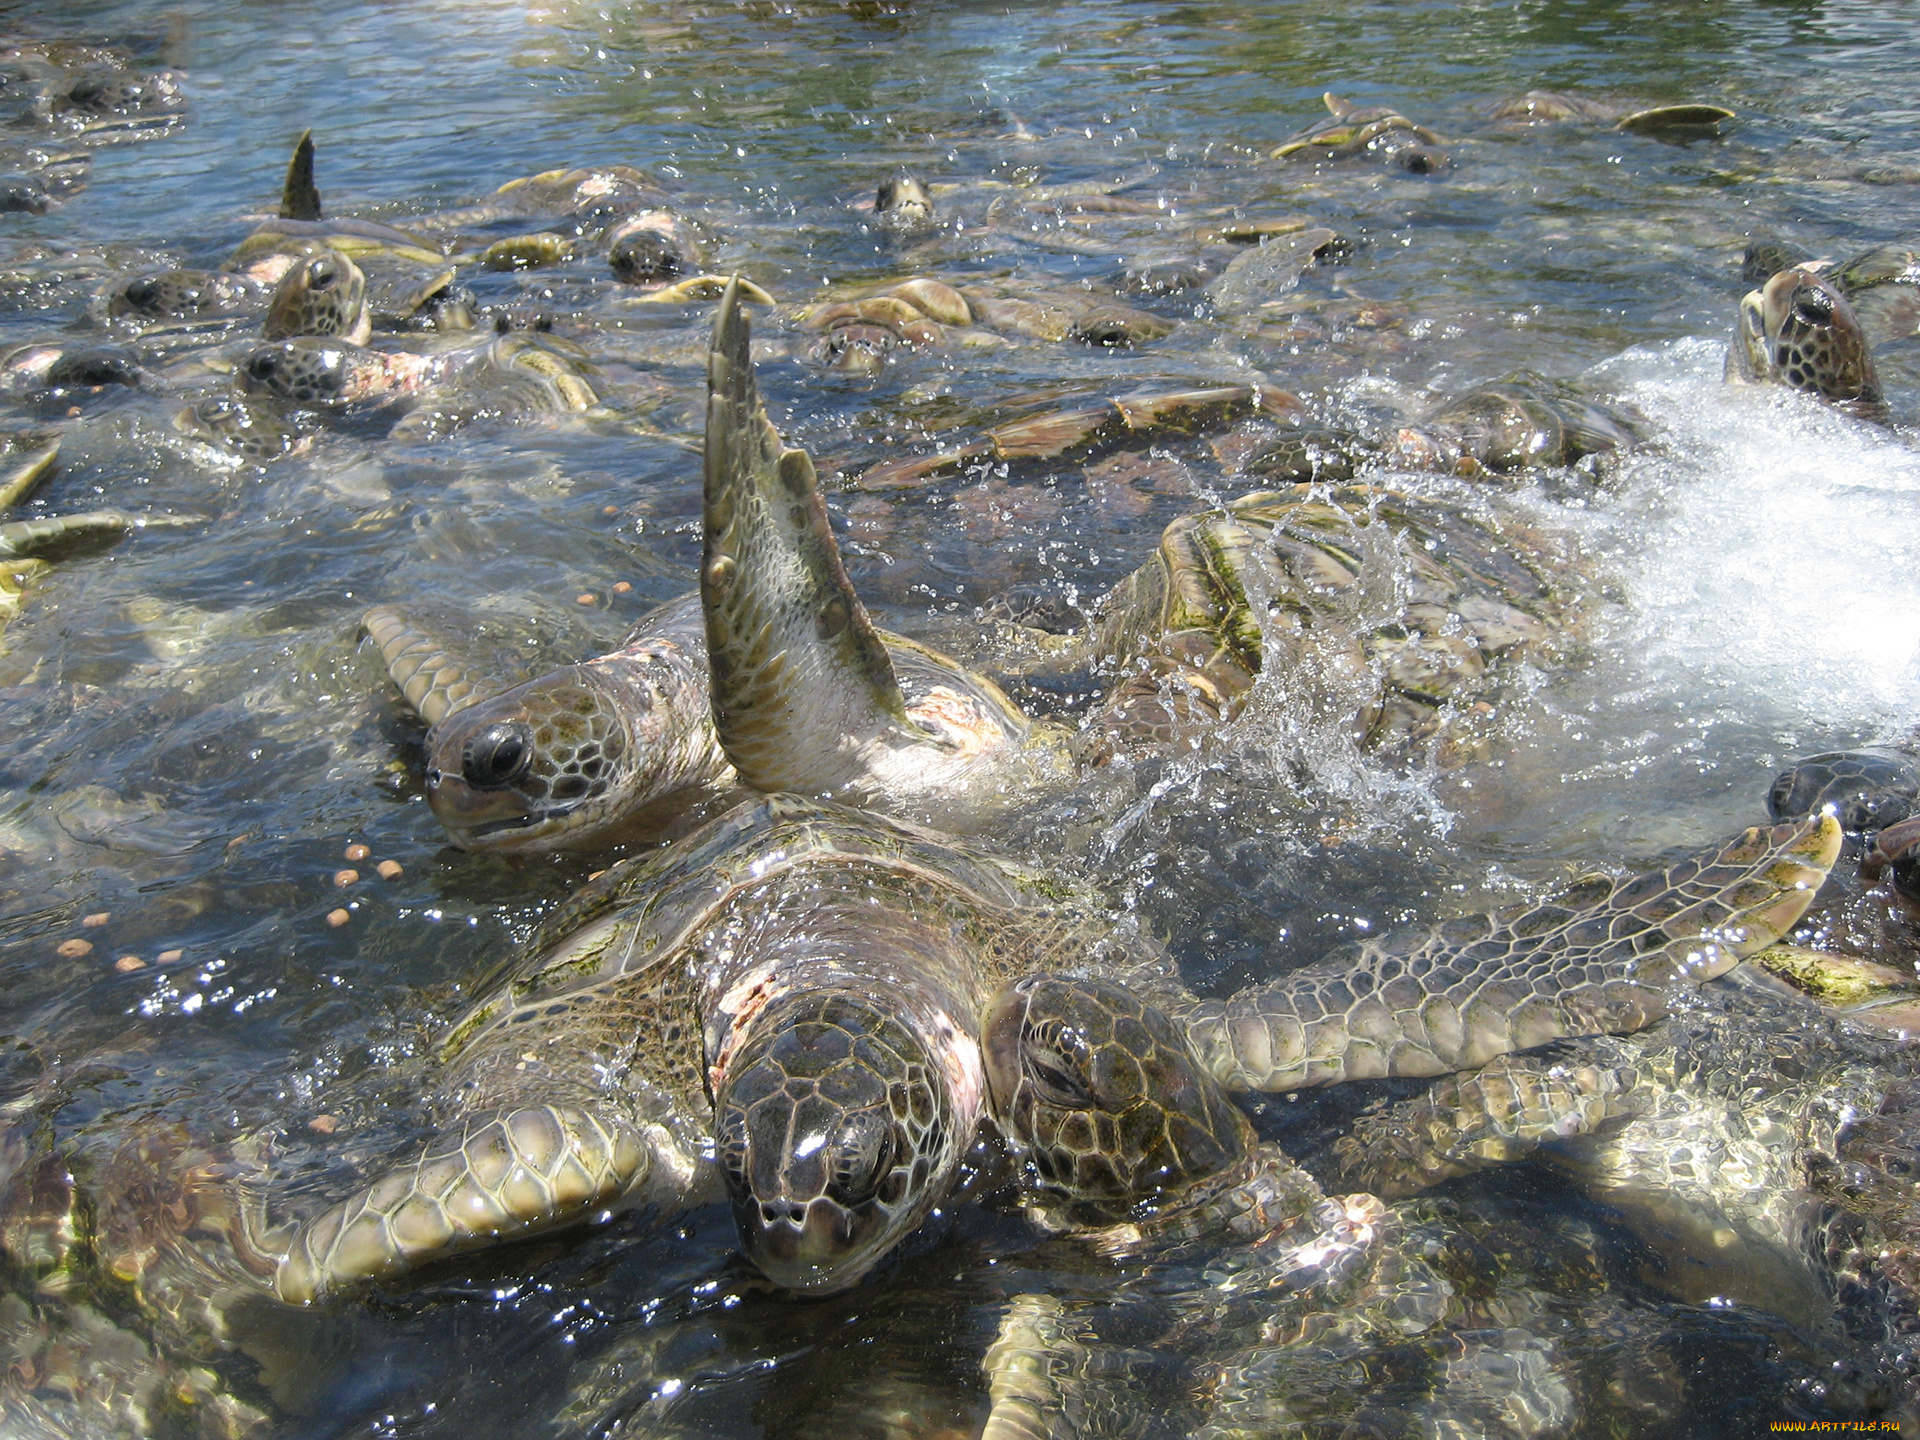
[[1798, 330], [1375, 131], [1868, 789], [1553, 107], [158, 297], [860, 334], [1118, 1109], [808, 966]]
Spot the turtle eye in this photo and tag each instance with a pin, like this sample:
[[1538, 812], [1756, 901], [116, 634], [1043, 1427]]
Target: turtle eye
[[1813, 306], [497, 756], [862, 1159], [322, 273], [1055, 1062]]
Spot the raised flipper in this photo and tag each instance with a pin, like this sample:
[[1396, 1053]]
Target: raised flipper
[[1599, 959], [433, 673], [498, 1177], [803, 687], [300, 198], [1493, 1116], [58, 536], [20, 481]]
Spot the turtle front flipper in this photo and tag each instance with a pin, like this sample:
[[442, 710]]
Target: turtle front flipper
[[803, 687], [300, 197], [431, 673], [1598, 959], [500, 1176], [1495, 1115]]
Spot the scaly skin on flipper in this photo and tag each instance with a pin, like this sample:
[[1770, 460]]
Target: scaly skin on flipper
[[1602, 958], [1798, 330], [807, 695], [435, 681], [300, 197]]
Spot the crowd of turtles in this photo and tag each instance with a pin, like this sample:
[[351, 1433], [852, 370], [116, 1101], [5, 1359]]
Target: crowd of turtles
[[816, 980]]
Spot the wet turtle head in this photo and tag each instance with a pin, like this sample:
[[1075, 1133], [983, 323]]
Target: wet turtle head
[[1103, 1093], [904, 206], [654, 248], [837, 1128], [860, 348], [551, 763], [306, 371], [326, 294], [1798, 330], [178, 295], [230, 423]]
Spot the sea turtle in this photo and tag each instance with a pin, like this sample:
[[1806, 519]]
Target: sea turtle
[[859, 335], [1868, 789], [807, 695], [805, 964], [325, 294], [1519, 423], [1798, 330], [1376, 131], [509, 376], [1119, 1112], [1553, 107], [1270, 1304]]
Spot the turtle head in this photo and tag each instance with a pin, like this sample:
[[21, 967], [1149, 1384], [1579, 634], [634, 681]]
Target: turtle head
[[904, 206], [1798, 330], [860, 348], [651, 249], [230, 423], [558, 761], [325, 294], [306, 371], [1103, 1093], [839, 1128]]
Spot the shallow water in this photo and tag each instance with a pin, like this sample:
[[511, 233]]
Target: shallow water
[[191, 732]]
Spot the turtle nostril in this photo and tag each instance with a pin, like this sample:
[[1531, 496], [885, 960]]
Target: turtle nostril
[[497, 756]]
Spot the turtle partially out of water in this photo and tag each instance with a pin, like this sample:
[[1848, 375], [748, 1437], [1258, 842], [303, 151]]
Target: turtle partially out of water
[[1377, 132], [807, 966], [1554, 107], [1798, 330], [512, 376], [861, 334], [1121, 1116]]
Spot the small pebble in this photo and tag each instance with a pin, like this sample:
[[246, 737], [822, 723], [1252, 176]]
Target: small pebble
[[621, 587], [239, 840], [357, 851], [389, 869], [72, 410], [344, 878], [337, 918], [97, 919], [596, 875], [609, 509], [169, 957], [324, 1124], [127, 964], [583, 599], [74, 949]]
